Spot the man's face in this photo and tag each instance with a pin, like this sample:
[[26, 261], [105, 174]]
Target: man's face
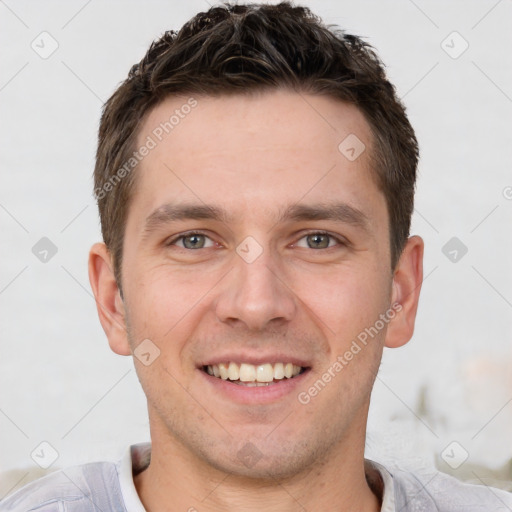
[[253, 240]]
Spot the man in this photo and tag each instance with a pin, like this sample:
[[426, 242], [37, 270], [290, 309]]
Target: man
[[255, 177]]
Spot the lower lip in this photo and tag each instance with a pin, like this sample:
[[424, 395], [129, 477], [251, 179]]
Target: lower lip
[[254, 394]]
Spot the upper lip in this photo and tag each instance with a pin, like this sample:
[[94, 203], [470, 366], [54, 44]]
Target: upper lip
[[255, 359]]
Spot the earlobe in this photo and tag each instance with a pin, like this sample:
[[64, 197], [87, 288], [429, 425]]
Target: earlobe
[[407, 280], [109, 304]]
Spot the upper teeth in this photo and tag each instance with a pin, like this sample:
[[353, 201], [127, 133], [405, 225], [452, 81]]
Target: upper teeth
[[252, 373]]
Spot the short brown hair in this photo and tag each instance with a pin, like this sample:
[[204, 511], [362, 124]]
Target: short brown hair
[[234, 49]]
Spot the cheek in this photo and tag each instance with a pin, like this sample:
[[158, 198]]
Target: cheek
[[165, 304], [344, 300]]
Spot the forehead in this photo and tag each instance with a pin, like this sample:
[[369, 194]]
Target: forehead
[[268, 149]]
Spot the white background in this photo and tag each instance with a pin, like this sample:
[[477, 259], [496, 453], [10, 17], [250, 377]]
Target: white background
[[59, 381]]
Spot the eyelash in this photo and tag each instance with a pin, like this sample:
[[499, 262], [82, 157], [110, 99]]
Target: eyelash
[[338, 240], [185, 235], [190, 233]]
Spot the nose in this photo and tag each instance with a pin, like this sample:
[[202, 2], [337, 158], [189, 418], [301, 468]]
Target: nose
[[256, 294]]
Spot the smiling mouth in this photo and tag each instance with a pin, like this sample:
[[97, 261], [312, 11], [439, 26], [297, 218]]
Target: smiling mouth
[[250, 375]]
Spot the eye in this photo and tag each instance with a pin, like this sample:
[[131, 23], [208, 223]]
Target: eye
[[192, 241], [318, 240]]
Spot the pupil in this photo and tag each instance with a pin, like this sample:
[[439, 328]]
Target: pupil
[[318, 241], [194, 241]]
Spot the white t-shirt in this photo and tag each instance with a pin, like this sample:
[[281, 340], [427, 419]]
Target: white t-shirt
[[108, 486]]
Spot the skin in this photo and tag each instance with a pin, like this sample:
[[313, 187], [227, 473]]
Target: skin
[[253, 156]]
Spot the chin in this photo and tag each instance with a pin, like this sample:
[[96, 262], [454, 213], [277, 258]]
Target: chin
[[266, 462]]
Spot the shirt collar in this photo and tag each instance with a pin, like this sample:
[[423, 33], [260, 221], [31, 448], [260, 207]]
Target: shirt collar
[[135, 460], [381, 483]]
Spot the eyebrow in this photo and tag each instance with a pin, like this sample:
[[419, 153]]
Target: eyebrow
[[340, 212], [175, 212]]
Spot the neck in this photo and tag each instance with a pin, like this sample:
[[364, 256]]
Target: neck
[[175, 477]]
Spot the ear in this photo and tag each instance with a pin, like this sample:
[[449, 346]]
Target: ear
[[108, 299], [407, 280]]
